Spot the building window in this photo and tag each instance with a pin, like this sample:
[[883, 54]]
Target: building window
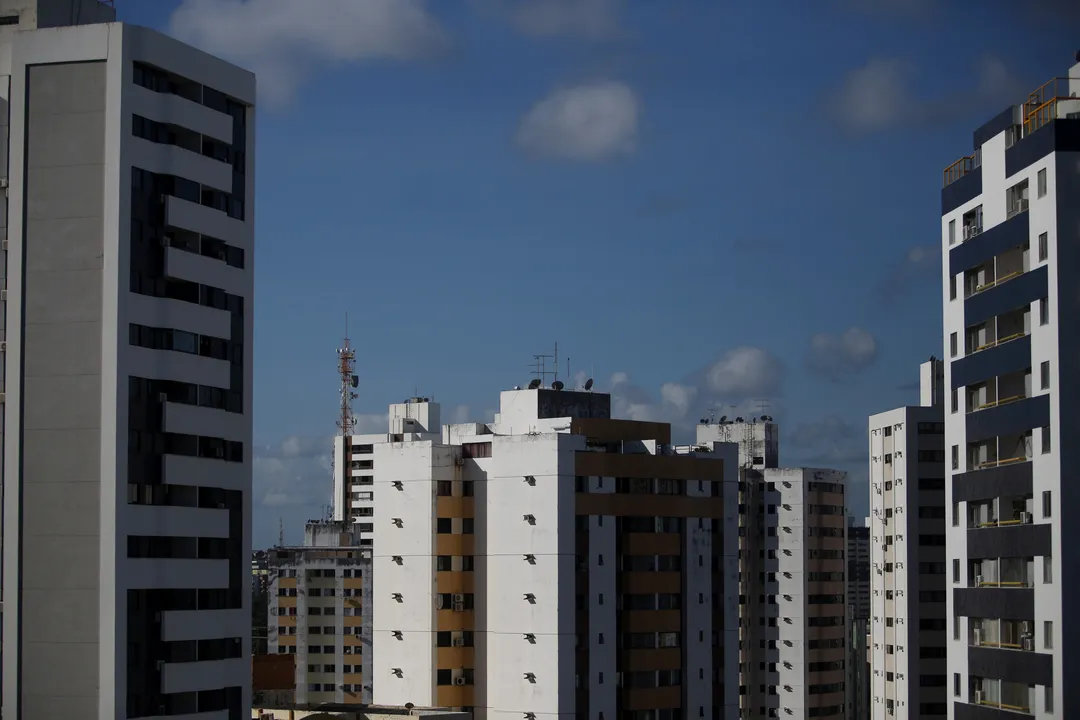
[[955, 397], [952, 345], [1046, 503], [955, 570], [1044, 374], [1041, 181], [955, 457], [956, 514], [1048, 699], [1048, 570], [1044, 247], [952, 232], [956, 684], [1044, 311], [1048, 635], [952, 287], [1046, 439], [1016, 199], [956, 627]]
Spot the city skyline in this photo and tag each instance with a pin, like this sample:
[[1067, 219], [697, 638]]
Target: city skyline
[[624, 231]]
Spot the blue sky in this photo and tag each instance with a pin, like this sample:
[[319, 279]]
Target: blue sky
[[705, 203]]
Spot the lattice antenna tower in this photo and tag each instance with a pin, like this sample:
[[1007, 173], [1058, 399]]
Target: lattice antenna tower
[[346, 422], [540, 368]]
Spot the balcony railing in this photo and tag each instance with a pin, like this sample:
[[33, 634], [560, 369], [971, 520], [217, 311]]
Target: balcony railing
[[998, 403], [999, 341], [989, 464], [1024, 519], [957, 170], [995, 283], [1041, 106]]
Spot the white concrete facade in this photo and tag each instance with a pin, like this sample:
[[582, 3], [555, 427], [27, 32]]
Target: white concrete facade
[[515, 619], [71, 365], [415, 420], [907, 558], [1008, 237], [789, 581], [319, 609]]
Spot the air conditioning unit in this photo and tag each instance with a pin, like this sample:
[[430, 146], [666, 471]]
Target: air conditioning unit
[[978, 697], [1028, 643], [459, 681], [1025, 517], [977, 633], [978, 580], [459, 597], [459, 607], [458, 642], [459, 460]]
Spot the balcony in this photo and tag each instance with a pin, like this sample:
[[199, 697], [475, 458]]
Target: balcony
[[998, 330], [998, 391], [998, 270], [959, 169], [1002, 695], [999, 451], [1002, 634], [999, 512], [1005, 573], [1054, 100]]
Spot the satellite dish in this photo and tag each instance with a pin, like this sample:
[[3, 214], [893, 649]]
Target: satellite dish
[[723, 418], [738, 419], [588, 384], [355, 381], [557, 385], [534, 384]]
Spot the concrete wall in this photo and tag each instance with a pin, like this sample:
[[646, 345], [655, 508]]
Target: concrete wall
[[61, 400]]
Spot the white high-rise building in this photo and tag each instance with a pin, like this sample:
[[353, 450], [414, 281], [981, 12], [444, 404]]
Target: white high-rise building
[[128, 231], [416, 423], [556, 563], [793, 624], [1009, 239], [908, 628]]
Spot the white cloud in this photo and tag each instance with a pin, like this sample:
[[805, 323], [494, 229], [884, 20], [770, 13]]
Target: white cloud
[[875, 95], [460, 414], [835, 356], [879, 95], [283, 41], [744, 381], [588, 122], [830, 441], [589, 19], [293, 473], [745, 372]]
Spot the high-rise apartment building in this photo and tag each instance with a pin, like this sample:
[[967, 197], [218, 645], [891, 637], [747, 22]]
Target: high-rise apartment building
[[320, 612], [127, 381], [858, 583], [1009, 238], [377, 454], [793, 622], [557, 563], [908, 630]]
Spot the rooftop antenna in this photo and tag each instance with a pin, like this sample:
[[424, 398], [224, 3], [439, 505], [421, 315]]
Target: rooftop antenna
[[540, 369], [346, 420]]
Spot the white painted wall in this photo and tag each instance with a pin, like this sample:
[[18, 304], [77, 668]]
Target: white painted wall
[[1047, 467], [508, 538]]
